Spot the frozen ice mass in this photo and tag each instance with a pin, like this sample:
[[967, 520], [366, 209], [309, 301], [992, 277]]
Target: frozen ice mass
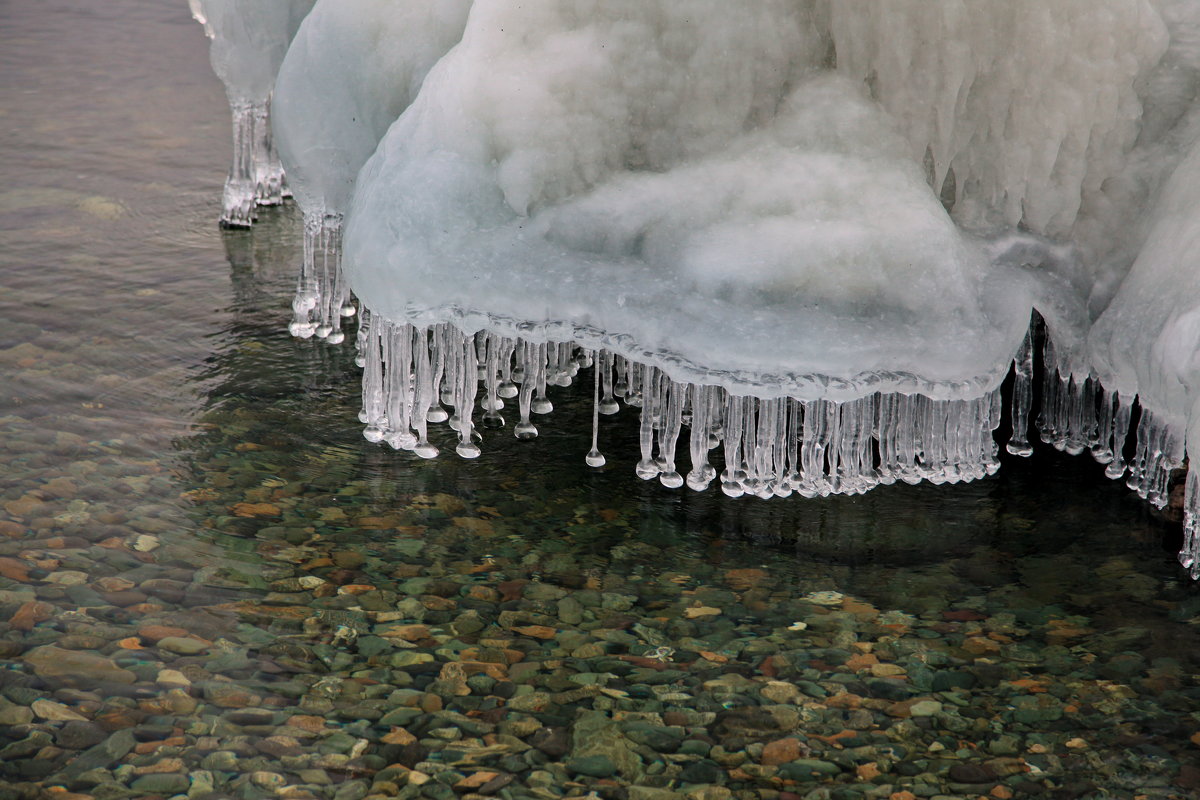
[[249, 40], [805, 238]]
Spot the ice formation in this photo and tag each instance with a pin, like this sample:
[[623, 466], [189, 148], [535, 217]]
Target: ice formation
[[249, 40], [805, 238], [353, 67]]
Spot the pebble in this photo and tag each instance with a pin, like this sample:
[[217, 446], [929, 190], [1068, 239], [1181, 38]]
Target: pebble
[[182, 645], [76, 667], [55, 712]]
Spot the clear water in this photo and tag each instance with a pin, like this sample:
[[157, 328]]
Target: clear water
[[158, 422]]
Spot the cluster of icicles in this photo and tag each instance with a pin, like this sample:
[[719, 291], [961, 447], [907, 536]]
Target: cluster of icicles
[[770, 447], [256, 177], [322, 300]]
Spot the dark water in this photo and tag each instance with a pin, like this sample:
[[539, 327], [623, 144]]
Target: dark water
[[170, 457]]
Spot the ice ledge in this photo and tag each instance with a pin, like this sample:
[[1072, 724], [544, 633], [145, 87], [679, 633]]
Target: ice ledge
[[771, 444], [752, 437]]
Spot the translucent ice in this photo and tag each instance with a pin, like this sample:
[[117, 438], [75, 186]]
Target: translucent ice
[[804, 237], [249, 40], [353, 67], [1147, 343]]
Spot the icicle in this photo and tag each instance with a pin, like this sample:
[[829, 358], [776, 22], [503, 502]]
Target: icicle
[[373, 378], [672, 419], [238, 199], [507, 388], [322, 299], [647, 468], [608, 404], [772, 447], [436, 412], [811, 459], [621, 386], [731, 477], [360, 339], [542, 354], [1189, 554], [633, 391], [269, 186], [594, 457], [426, 393], [702, 473], [1073, 439], [1047, 421], [747, 467], [492, 404], [400, 393], [988, 447], [468, 377], [887, 428], [1102, 450], [1119, 437], [1022, 397], [795, 428], [782, 485]]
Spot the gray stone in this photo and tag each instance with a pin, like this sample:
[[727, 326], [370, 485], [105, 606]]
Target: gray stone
[[598, 766], [804, 769], [106, 754], [652, 793], [76, 667], [182, 645], [164, 784], [570, 611], [23, 748], [220, 761], [79, 735], [702, 771], [924, 708], [352, 790], [13, 714]]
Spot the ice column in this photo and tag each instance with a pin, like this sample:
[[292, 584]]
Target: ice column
[[249, 39], [352, 69]]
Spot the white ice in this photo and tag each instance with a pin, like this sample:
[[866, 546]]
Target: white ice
[[249, 41], [353, 67], [794, 224], [683, 186]]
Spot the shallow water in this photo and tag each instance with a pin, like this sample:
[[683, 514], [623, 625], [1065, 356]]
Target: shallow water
[[211, 585]]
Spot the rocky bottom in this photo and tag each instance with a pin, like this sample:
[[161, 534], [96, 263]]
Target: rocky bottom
[[287, 641]]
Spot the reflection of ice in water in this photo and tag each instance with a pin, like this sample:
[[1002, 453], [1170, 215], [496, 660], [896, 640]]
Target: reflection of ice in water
[[809, 235]]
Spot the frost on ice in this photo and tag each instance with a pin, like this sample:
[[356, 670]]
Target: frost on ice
[[805, 238]]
